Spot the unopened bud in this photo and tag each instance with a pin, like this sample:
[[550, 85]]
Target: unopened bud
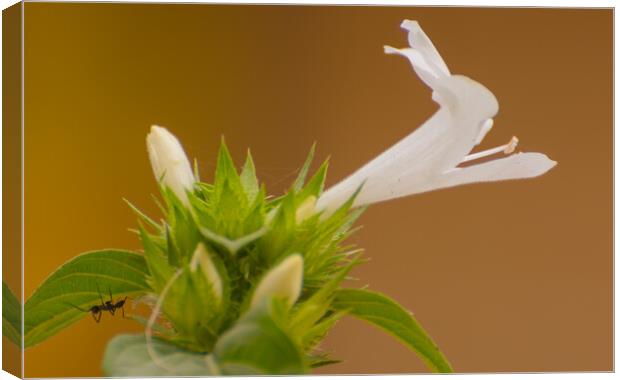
[[169, 162], [283, 281], [203, 260]]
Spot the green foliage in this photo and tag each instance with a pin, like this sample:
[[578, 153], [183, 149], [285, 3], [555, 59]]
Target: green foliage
[[255, 345], [257, 342], [384, 312], [11, 316], [202, 263], [66, 295], [127, 356]]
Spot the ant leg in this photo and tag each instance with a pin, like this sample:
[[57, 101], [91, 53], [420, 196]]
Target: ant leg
[[123, 308], [97, 316], [110, 304]]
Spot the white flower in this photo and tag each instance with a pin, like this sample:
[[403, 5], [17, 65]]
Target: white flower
[[284, 281], [201, 258], [169, 162], [429, 158]]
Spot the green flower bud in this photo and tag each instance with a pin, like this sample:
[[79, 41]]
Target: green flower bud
[[202, 259], [195, 303]]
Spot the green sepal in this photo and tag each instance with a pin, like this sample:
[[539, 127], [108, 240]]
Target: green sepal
[[143, 217], [157, 263], [257, 341], [248, 179], [174, 259], [315, 184], [303, 173]]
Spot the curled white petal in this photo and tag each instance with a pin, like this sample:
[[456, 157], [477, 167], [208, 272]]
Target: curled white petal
[[419, 40], [284, 281], [421, 66], [169, 162], [422, 54]]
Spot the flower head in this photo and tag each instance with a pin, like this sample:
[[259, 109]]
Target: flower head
[[429, 158], [169, 162]]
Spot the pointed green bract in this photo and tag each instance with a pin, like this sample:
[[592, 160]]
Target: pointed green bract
[[174, 256], [248, 179], [143, 217], [256, 341], [303, 173], [225, 171], [158, 268], [315, 184]]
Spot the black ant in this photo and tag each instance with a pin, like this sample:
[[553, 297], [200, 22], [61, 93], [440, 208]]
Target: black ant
[[97, 310]]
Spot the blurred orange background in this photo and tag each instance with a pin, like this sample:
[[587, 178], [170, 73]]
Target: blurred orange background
[[511, 276]]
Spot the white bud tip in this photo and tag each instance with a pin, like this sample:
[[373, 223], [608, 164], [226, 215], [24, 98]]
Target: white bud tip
[[169, 162], [283, 281]]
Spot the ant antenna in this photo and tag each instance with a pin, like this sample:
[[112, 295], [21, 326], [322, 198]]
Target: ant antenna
[[77, 307], [99, 291]]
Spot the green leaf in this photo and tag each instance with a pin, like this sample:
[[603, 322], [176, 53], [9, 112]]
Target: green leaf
[[11, 316], [127, 356], [248, 178], [257, 341], [301, 177], [384, 312], [81, 283]]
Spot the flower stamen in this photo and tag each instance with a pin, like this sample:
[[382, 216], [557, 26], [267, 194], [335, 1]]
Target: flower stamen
[[506, 149]]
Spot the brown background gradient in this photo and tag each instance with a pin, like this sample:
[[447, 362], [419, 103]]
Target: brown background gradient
[[513, 276]]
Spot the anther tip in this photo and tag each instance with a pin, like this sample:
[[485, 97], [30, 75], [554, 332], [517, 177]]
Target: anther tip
[[512, 145]]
